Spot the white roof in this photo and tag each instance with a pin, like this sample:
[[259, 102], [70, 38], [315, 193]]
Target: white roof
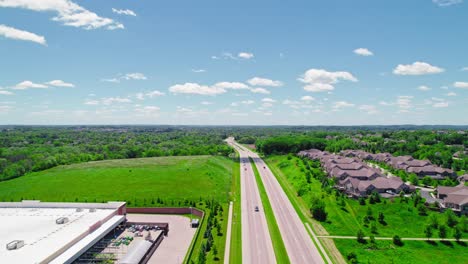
[[136, 252], [41, 235]]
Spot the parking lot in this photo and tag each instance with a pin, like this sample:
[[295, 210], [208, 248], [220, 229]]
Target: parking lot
[[174, 247]]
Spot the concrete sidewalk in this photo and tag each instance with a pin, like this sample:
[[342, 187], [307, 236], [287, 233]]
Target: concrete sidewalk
[[227, 248]]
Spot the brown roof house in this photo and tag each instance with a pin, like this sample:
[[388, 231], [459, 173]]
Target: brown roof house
[[455, 198]]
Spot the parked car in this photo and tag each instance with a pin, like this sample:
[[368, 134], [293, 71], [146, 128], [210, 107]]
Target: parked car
[[256, 209]]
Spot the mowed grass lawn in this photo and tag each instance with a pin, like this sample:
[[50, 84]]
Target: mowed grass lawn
[[411, 252], [141, 180]]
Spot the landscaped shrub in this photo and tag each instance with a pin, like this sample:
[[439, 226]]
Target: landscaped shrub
[[397, 240]]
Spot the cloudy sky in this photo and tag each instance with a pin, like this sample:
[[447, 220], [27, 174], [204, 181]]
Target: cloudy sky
[[243, 62]]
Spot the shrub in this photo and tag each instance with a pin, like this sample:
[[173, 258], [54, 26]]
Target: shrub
[[428, 231], [442, 231], [457, 233], [318, 209], [360, 236], [397, 240], [422, 209], [351, 255]]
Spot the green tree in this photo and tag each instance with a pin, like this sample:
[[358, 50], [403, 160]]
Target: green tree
[[433, 221], [442, 231], [381, 218], [318, 209], [451, 218], [360, 236], [428, 231], [397, 240], [373, 228], [457, 233], [422, 209]]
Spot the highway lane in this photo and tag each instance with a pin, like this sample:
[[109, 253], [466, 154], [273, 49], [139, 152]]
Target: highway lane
[[296, 239], [257, 246]]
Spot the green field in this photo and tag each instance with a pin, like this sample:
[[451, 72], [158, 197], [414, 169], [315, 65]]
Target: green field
[[411, 252], [138, 181]]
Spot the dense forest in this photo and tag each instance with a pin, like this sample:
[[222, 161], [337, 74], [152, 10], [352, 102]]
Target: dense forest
[[29, 148]]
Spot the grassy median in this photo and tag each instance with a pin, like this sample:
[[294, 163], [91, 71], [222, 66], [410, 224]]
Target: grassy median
[[236, 231], [278, 244]]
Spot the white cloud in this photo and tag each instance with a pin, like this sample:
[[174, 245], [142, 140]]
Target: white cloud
[[341, 104], [206, 103], [198, 70], [370, 109], [417, 68], [307, 98], [258, 81], [69, 13], [13, 33], [424, 88], [447, 2], [404, 102], [231, 85], [91, 102], [440, 104], [195, 88], [384, 103], [463, 85], [112, 100], [5, 108], [363, 52], [134, 76], [154, 93], [140, 96], [148, 110], [60, 83], [464, 69], [27, 85], [127, 12], [230, 56], [319, 80], [129, 76], [268, 100], [245, 55], [3, 92], [260, 90], [451, 94], [248, 102]]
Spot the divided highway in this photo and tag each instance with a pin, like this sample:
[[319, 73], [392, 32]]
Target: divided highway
[[257, 246], [296, 239]]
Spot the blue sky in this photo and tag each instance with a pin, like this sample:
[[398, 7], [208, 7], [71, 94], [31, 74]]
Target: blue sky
[[234, 63]]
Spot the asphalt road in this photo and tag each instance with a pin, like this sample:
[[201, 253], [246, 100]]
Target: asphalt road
[[297, 241], [256, 241]]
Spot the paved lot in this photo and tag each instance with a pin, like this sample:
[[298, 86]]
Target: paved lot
[[175, 246]]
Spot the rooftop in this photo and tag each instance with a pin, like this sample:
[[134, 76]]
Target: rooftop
[[42, 236]]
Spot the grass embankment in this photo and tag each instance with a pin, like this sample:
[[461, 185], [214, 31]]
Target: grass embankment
[[411, 252], [401, 218], [302, 208], [275, 234], [235, 256], [140, 182]]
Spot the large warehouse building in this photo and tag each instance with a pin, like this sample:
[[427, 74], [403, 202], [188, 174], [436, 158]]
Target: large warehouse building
[[41, 232]]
